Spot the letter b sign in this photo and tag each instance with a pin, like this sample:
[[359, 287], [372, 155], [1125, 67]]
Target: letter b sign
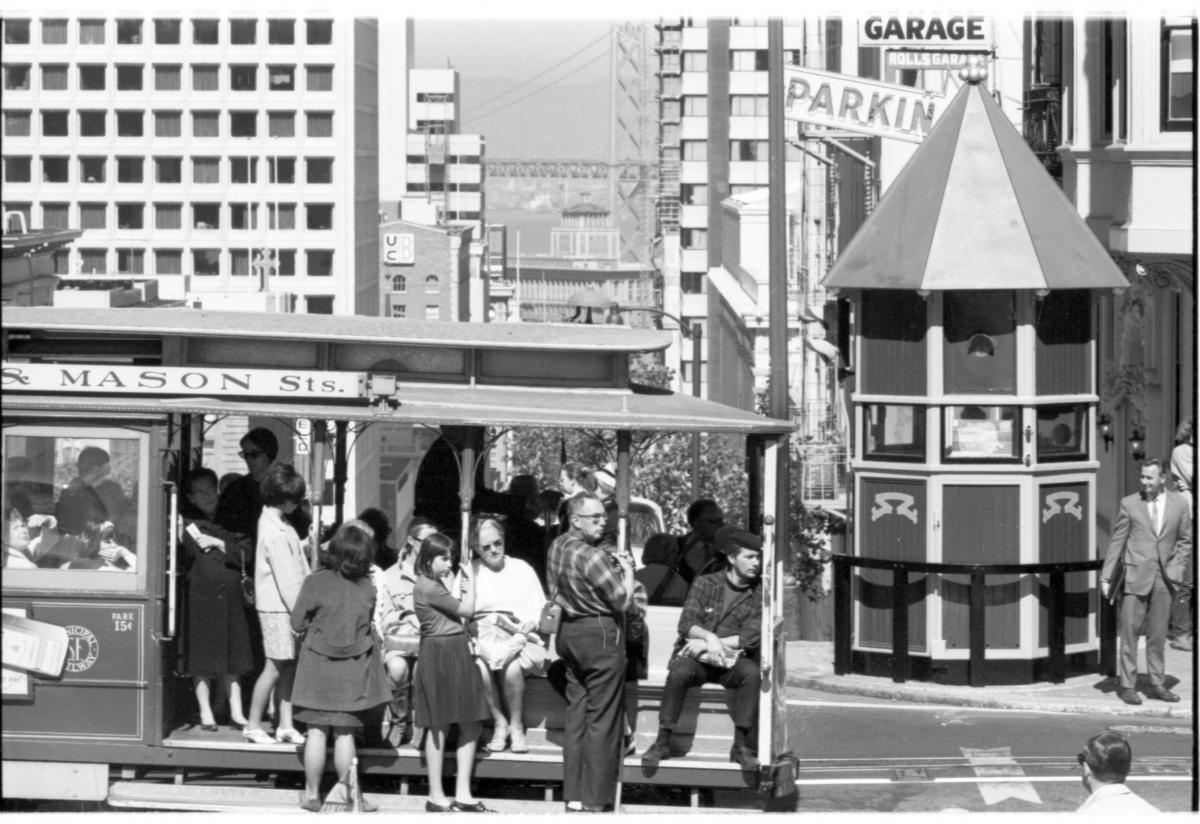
[[398, 249]]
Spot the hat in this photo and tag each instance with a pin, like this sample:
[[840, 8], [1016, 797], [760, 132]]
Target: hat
[[730, 539]]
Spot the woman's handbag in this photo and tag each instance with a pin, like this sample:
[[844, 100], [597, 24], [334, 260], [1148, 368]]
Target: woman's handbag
[[247, 581], [551, 618]]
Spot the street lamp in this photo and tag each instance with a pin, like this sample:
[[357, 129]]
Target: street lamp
[[588, 301]]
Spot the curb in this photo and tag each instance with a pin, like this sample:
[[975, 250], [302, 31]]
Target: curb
[[955, 698]]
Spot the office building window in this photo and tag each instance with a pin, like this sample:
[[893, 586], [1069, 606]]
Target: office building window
[[93, 215], [16, 31], [23, 209], [748, 150], [205, 124], [54, 32], [239, 262], [319, 216], [432, 285], [130, 124], [320, 78], [91, 169], [60, 261], [243, 216], [168, 216], [168, 77], [56, 169], [206, 170], [16, 77], [281, 32], [205, 32], [695, 61], [1178, 78], [319, 124], [168, 261], [91, 32], [748, 105], [318, 304], [281, 215], [281, 124], [319, 32], [131, 169], [281, 78], [131, 215], [433, 311], [243, 170], [91, 123], [242, 32], [56, 215], [91, 77], [54, 77], [281, 170], [399, 283], [320, 262], [167, 32], [285, 262], [93, 261], [17, 169], [691, 283], [131, 261], [399, 311], [748, 60], [205, 78], [16, 123], [206, 262], [693, 194], [243, 78], [319, 169], [693, 238], [129, 32], [206, 215], [695, 150], [168, 124], [695, 106], [243, 124], [168, 170]]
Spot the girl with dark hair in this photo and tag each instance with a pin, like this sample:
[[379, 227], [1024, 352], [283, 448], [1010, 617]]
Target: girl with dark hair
[[447, 689], [280, 566], [219, 647], [339, 672]]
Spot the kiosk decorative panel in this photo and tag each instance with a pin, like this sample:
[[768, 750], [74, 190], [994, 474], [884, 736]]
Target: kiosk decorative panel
[[1064, 512], [893, 331], [980, 352], [891, 526], [981, 525], [1063, 323]]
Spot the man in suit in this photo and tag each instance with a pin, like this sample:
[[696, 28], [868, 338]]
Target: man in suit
[[1153, 539]]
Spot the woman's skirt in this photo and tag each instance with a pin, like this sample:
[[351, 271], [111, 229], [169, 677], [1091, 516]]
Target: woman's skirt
[[447, 688], [337, 692]]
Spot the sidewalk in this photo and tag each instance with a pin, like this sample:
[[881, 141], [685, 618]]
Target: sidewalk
[[810, 665]]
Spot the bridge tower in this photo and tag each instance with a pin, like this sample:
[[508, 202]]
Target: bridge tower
[[631, 147]]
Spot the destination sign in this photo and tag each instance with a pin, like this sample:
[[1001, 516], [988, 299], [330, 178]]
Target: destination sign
[[926, 32], [180, 380], [924, 59], [865, 106]]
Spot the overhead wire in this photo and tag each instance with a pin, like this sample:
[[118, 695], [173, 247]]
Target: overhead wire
[[539, 90], [543, 73]]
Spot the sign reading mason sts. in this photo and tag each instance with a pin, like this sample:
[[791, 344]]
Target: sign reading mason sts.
[[180, 380]]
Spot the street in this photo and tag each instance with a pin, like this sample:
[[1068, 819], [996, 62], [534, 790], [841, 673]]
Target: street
[[869, 755]]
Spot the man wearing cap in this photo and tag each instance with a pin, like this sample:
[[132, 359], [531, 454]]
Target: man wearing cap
[[719, 635]]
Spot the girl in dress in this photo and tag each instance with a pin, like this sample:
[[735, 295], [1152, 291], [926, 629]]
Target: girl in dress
[[447, 688], [339, 671]]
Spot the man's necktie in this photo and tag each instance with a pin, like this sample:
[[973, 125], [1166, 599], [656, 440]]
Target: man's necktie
[[1154, 515]]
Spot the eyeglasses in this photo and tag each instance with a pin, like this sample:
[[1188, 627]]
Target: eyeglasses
[[493, 545], [246, 454], [595, 517]]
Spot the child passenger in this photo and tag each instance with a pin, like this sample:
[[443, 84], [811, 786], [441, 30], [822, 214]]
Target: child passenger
[[447, 688], [339, 671]]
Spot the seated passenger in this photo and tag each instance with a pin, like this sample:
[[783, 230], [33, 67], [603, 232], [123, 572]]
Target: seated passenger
[[508, 603], [17, 551], [93, 499], [660, 576], [401, 631], [719, 635]]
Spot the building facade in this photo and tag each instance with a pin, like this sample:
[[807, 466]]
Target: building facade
[[424, 270], [256, 136]]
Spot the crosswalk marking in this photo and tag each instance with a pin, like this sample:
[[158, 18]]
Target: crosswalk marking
[[998, 763]]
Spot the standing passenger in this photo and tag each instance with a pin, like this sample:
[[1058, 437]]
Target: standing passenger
[[594, 588], [447, 689], [339, 673], [279, 569], [241, 500]]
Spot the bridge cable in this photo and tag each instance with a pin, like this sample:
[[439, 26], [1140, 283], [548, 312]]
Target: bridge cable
[[539, 90]]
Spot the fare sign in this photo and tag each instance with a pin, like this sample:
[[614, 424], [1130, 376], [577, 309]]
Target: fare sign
[[181, 380], [965, 32], [841, 101]]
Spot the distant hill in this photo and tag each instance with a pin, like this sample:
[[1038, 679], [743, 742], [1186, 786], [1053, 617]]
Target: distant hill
[[562, 122]]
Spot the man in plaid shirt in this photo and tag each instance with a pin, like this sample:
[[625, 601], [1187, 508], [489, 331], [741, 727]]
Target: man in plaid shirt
[[719, 637]]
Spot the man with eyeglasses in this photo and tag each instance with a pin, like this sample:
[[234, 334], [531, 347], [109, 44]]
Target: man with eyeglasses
[[1105, 761], [594, 588]]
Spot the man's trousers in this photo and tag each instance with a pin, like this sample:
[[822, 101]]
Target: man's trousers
[[743, 678], [1154, 612], [594, 651]]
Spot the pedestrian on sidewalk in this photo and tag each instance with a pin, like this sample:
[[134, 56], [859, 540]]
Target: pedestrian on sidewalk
[[1183, 611], [1152, 540], [1105, 762]]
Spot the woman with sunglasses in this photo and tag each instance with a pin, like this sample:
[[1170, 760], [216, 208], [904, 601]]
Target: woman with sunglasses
[[241, 502]]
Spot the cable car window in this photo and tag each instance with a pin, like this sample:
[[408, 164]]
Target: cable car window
[[72, 504]]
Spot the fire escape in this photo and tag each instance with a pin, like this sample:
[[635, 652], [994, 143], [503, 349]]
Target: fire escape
[[670, 37]]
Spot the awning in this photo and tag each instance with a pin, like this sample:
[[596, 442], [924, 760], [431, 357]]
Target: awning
[[434, 404], [974, 209]]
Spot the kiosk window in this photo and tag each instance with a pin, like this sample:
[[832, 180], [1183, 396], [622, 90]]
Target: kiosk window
[[1061, 433], [982, 433], [894, 432], [72, 503]]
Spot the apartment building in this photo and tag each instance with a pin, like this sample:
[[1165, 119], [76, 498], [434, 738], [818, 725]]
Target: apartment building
[[231, 157]]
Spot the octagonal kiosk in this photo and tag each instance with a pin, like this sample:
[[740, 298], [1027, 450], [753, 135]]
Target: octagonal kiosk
[[972, 290]]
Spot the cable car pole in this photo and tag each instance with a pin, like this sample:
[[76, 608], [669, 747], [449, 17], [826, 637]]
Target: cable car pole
[[777, 269]]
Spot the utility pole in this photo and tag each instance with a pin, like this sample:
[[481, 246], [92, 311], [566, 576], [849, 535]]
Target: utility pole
[[777, 267]]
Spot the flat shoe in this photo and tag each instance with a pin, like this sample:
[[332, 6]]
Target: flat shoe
[[430, 807], [289, 737], [257, 736], [518, 742], [209, 727], [477, 807], [499, 740], [311, 805], [1162, 694], [1129, 697]]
